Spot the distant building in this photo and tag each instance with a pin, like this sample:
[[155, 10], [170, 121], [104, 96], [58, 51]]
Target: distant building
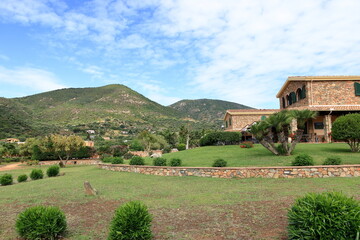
[[90, 131], [10, 140], [89, 143], [330, 96]]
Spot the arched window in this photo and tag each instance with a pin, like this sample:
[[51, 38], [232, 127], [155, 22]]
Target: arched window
[[303, 92], [230, 121], [292, 96], [288, 99], [283, 102], [299, 93]]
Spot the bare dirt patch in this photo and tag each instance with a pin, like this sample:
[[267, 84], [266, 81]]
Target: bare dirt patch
[[11, 166]]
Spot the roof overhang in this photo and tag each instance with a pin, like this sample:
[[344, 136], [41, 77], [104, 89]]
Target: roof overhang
[[315, 78]]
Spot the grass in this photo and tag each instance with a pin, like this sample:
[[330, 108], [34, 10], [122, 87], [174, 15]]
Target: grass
[[183, 207], [259, 156]]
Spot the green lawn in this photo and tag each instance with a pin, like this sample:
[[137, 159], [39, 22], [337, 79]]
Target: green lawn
[[259, 156], [183, 207]]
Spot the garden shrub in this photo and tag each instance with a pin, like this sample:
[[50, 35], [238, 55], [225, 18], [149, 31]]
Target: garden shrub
[[6, 179], [36, 174], [303, 160], [219, 163], [53, 171], [329, 215], [332, 161], [246, 144], [137, 160], [159, 161], [132, 221], [22, 178], [166, 150], [181, 147], [117, 160], [128, 155], [175, 162], [220, 138], [41, 222]]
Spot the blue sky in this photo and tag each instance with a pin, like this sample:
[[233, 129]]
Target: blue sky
[[169, 50]]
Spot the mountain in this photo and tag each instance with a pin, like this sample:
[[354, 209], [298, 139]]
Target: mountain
[[15, 119], [111, 110], [206, 109]]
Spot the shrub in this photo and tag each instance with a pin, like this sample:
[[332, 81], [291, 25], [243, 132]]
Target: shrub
[[117, 160], [175, 162], [220, 138], [136, 160], [347, 128], [36, 174], [53, 171], [303, 160], [132, 221], [41, 222], [159, 161], [22, 178], [247, 145], [6, 179], [332, 161], [107, 159], [32, 162], [181, 147], [166, 150], [128, 155], [219, 163], [328, 215]]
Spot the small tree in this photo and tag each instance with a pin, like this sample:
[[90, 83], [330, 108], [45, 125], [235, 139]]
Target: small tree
[[66, 144], [347, 128]]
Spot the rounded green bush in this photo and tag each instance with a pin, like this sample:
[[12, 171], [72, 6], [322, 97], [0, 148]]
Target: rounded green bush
[[136, 160], [132, 221], [117, 160], [181, 147], [41, 222], [22, 178], [329, 215], [303, 160], [53, 171], [219, 163], [159, 161], [332, 161], [175, 162], [6, 179], [36, 174]]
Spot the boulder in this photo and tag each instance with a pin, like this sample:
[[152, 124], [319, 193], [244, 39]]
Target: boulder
[[156, 155], [89, 190]]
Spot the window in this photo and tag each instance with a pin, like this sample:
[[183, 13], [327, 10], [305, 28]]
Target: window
[[303, 92], [292, 98], [226, 124], [263, 118], [357, 89], [283, 102], [230, 121], [318, 125], [299, 93]]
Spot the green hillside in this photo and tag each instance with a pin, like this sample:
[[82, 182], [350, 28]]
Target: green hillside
[[206, 109]]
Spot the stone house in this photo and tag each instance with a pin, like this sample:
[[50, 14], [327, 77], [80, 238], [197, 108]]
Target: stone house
[[330, 96]]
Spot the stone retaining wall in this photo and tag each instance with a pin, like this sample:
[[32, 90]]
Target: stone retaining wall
[[73, 162], [246, 172]]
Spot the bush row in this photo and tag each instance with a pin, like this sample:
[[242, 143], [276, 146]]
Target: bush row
[[52, 171], [328, 215], [306, 160]]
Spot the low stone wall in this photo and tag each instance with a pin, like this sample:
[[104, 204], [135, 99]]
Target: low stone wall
[[246, 172], [73, 162]]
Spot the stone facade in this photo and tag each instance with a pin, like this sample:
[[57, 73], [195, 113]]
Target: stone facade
[[247, 172], [73, 162], [236, 120]]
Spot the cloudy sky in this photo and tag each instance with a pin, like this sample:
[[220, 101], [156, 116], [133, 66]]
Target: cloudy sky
[[235, 50]]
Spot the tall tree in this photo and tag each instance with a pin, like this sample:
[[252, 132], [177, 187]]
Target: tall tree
[[66, 145], [347, 128]]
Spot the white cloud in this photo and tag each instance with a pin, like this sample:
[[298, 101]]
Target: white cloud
[[235, 50], [33, 79], [4, 57]]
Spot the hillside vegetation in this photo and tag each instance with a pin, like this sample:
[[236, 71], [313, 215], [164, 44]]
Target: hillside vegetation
[[206, 109]]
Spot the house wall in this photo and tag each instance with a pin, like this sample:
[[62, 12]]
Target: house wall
[[293, 87], [334, 93], [240, 121]]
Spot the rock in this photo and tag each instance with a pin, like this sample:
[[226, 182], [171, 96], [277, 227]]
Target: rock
[[156, 155], [89, 190]]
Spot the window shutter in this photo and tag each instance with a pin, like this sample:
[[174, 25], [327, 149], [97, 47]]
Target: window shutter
[[303, 92], [357, 89]]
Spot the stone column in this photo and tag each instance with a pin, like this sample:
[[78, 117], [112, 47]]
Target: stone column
[[327, 127], [293, 126]]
